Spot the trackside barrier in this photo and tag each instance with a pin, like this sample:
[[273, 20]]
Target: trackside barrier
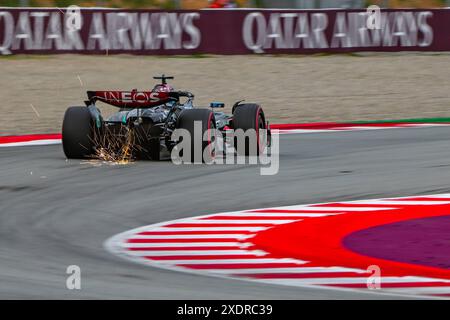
[[239, 31]]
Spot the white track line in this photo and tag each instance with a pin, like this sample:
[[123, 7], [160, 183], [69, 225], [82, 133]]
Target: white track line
[[337, 209], [231, 261], [401, 203], [193, 236], [212, 228], [270, 214], [185, 244], [442, 195], [217, 220], [421, 290], [350, 280], [194, 253], [243, 271]]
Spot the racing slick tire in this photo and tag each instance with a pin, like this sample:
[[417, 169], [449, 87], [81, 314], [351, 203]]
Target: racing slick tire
[[186, 121], [151, 150], [250, 116], [148, 138], [78, 133]]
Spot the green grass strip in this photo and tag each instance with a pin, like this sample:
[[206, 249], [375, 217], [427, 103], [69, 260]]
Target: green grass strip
[[416, 120]]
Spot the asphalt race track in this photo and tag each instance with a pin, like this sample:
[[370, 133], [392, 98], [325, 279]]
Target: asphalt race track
[[55, 213]]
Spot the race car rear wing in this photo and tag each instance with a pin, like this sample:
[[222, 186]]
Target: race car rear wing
[[136, 99]]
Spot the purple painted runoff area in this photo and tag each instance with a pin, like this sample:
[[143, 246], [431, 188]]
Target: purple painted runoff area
[[424, 241]]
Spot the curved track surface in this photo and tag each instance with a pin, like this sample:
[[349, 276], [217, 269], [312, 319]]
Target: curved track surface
[[55, 213]]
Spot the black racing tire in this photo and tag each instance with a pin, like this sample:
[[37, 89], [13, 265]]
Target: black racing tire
[[151, 150], [148, 141], [250, 116], [186, 121], [78, 133]]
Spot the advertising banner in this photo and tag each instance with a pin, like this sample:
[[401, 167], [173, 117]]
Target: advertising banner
[[239, 31]]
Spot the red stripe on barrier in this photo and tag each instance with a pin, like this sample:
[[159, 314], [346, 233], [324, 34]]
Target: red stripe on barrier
[[340, 125], [313, 125], [182, 240], [185, 248], [30, 137]]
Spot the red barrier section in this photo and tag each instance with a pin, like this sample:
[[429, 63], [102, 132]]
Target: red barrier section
[[313, 125], [29, 137]]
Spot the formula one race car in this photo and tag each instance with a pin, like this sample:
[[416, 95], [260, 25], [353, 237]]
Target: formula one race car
[[146, 120]]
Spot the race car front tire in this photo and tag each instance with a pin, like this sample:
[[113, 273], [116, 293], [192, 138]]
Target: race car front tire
[[78, 133], [186, 121]]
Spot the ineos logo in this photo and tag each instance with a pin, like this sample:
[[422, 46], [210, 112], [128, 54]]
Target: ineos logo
[[139, 97]]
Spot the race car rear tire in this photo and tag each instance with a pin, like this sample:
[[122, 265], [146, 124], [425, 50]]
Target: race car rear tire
[[186, 121], [151, 150], [250, 116], [148, 141], [78, 133]]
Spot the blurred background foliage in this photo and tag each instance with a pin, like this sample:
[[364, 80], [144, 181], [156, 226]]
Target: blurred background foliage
[[197, 4]]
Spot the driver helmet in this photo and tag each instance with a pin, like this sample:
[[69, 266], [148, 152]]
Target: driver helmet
[[162, 88]]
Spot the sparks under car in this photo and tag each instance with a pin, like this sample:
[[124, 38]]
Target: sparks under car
[[144, 125]]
